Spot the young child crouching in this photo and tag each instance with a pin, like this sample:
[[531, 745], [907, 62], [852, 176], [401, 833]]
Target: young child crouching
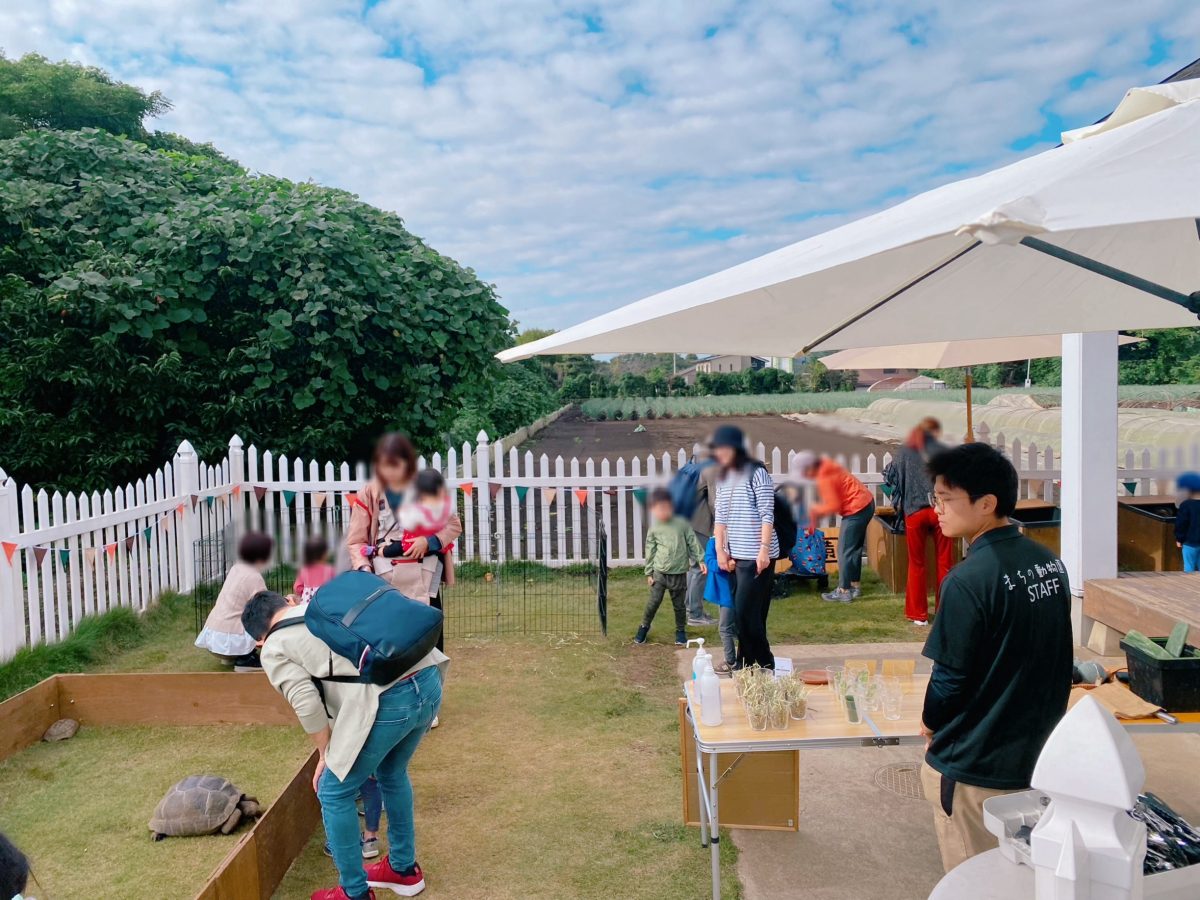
[[223, 634], [316, 572]]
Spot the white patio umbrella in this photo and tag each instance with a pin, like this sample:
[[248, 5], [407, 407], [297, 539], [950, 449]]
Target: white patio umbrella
[[1096, 235], [953, 355]]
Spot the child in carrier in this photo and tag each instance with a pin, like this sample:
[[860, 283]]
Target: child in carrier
[[421, 518], [316, 571], [223, 634]]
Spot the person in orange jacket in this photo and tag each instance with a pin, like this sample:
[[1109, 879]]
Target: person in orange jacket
[[841, 494]]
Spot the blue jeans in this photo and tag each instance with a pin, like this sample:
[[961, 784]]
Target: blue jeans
[[405, 711], [1191, 558], [372, 804]]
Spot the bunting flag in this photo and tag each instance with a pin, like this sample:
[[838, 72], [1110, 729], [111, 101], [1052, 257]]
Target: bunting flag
[[318, 499], [522, 490], [223, 499], [180, 509], [39, 553], [467, 488], [259, 492], [237, 490], [610, 492], [639, 494], [494, 488], [129, 542], [64, 557], [208, 501], [167, 522], [147, 533], [111, 549], [9, 550], [582, 496], [195, 501], [289, 497], [550, 494], [89, 555], [1131, 486]]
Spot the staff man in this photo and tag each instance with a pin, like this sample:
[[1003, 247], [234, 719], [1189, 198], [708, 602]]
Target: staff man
[[1001, 647]]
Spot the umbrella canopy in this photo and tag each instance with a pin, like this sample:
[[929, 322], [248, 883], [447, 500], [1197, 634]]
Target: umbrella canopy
[[1096, 235], [952, 354]]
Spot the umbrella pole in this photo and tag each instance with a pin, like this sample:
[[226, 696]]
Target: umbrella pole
[[970, 422]]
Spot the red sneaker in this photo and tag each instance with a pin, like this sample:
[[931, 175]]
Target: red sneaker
[[382, 875], [337, 894]]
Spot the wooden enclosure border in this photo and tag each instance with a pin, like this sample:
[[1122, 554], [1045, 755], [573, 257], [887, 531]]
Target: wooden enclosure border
[[254, 868]]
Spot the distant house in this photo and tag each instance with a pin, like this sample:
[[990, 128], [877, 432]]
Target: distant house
[[722, 365], [869, 378]]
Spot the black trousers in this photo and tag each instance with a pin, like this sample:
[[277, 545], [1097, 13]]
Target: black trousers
[[751, 604]]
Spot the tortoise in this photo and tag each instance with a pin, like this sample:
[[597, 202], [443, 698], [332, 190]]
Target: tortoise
[[202, 804]]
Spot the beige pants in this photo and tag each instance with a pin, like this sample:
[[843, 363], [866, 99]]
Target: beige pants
[[961, 833]]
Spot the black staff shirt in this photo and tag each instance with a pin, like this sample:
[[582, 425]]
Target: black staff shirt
[[1002, 640]]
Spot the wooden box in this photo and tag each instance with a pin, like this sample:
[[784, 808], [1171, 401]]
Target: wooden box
[[762, 791]]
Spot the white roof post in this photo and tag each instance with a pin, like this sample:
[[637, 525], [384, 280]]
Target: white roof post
[[1089, 460], [1086, 846]]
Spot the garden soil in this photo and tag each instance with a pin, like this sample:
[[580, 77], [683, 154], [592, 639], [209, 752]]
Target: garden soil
[[575, 436]]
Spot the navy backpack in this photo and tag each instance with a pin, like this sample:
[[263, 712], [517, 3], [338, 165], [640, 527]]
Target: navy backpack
[[366, 620]]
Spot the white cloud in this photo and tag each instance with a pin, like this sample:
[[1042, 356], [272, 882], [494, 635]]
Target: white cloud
[[582, 154]]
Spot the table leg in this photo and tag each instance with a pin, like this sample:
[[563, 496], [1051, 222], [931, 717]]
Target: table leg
[[702, 798], [714, 828]]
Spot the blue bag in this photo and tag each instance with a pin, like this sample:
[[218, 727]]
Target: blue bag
[[808, 556], [366, 620], [684, 488]]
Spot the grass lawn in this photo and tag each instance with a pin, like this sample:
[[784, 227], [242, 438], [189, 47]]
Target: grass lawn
[[556, 770], [79, 809]]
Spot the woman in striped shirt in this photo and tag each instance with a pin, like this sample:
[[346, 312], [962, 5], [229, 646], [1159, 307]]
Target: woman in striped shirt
[[746, 541]]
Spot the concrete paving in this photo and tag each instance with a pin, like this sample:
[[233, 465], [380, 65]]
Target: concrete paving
[[858, 841]]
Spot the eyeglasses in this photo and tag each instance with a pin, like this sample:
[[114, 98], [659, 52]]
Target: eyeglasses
[[939, 503]]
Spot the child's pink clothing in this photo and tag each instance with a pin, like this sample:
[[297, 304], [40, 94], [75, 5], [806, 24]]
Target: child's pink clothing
[[311, 578]]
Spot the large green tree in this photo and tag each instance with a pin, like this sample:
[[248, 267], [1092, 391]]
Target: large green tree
[[148, 296]]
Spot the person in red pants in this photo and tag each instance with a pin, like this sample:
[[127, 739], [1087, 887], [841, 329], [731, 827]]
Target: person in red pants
[[908, 478]]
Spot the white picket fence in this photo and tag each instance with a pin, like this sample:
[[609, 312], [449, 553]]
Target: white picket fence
[[65, 557]]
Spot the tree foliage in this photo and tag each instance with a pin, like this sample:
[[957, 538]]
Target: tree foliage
[[149, 296]]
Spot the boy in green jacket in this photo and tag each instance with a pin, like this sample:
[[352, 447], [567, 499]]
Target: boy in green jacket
[[671, 549]]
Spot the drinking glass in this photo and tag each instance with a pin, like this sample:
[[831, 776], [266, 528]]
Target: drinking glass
[[836, 676], [779, 714], [758, 715], [873, 693], [893, 698], [853, 700]]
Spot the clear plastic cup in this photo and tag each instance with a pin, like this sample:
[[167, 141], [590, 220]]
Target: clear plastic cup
[[893, 698], [853, 703]]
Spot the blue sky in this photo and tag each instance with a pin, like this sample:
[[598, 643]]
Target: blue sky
[[584, 155]]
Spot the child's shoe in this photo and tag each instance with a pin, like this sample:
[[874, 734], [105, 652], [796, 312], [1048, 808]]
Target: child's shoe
[[640, 637], [370, 847], [680, 638]]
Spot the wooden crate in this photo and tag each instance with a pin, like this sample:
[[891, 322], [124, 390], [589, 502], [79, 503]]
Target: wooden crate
[[1146, 543], [761, 792]]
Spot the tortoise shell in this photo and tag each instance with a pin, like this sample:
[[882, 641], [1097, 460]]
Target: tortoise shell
[[201, 804]]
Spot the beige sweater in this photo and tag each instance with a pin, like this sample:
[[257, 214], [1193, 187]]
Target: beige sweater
[[293, 657], [242, 583]]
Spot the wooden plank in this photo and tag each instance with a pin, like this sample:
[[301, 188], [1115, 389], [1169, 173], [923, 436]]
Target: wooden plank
[[283, 832], [198, 698], [1147, 602], [27, 715], [237, 876]]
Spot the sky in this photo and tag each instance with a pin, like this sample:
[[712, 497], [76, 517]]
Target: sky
[[581, 156]]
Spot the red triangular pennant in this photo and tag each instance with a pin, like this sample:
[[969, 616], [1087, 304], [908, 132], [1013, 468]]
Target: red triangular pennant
[[467, 487], [180, 509], [237, 490], [582, 496], [111, 549], [259, 492], [494, 488], [39, 553], [9, 550]]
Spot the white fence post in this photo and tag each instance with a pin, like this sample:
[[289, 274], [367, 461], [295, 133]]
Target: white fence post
[[483, 495], [187, 478], [12, 593], [237, 476]]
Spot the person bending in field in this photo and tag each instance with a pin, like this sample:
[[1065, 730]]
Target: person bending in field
[[223, 634], [359, 730], [14, 870], [671, 549], [1001, 647], [316, 571]]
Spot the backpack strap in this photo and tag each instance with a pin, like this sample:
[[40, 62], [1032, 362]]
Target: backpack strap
[[283, 623], [341, 679]]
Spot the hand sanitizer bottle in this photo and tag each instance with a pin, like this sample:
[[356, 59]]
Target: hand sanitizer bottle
[[710, 696], [701, 657]]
